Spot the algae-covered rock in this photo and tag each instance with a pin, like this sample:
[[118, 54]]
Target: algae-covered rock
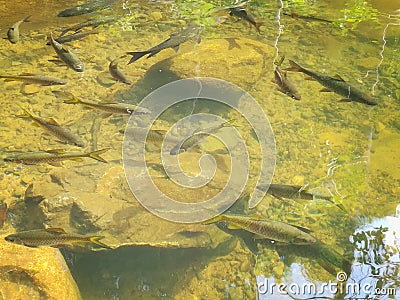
[[34, 273]]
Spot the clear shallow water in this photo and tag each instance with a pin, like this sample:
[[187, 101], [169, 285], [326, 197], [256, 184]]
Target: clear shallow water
[[347, 149]]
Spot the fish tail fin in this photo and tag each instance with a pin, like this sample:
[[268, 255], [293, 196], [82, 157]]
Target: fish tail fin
[[294, 67], [213, 220], [96, 240], [25, 115], [96, 155], [136, 55], [258, 25]]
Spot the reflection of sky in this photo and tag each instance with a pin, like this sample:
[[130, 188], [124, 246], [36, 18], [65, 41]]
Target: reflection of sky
[[388, 266]]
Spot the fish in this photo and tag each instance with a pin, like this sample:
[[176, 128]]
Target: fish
[[307, 18], [51, 126], [94, 22], [197, 137], [3, 213], [66, 55], [174, 41], [86, 8], [116, 73], [267, 229], [335, 84], [13, 31], [110, 107], [73, 37], [27, 78], [243, 14], [285, 86], [53, 237], [53, 156]]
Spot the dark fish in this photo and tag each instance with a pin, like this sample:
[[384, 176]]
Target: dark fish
[[285, 86], [265, 229], [197, 137], [243, 14], [13, 31], [307, 18], [35, 79], [66, 55], [336, 85], [110, 107], [86, 8], [62, 133], [53, 237], [116, 72], [3, 213], [174, 41], [73, 37], [90, 23], [53, 156]]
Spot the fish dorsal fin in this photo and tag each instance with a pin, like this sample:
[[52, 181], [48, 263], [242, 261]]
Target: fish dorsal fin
[[337, 77], [55, 230], [56, 151], [27, 74], [52, 121], [306, 230]]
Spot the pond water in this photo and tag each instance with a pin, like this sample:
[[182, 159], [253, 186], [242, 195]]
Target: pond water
[[343, 155]]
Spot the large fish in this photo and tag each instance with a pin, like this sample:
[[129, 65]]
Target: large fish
[[89, 23], [86, 8], [51, 126], [110, 107], [174, 41], [285, 86], [73, 37], [53, 156], [197, 137], [35, 79], [336, 85], [243, 14], [13, 31], [66, 55], [265, 229], [53, 237]]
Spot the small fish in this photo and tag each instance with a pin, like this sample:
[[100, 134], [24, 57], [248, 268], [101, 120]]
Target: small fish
[[265, 229], [307, 18], [13, 31], [62, 133], [335, 84], [35, 79], [53, 156], [53, 237], [89, 23], [66, 55], [197, 137], [285, 86], [3, 213], [73, 37], [174, 41], [110, 107], [243, 14], [86, 8], [116, 73]]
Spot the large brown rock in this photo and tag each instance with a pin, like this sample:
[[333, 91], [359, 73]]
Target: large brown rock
[[34, 273]]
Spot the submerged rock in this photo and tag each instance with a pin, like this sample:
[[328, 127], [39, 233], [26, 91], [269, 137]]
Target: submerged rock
[[34, 273]]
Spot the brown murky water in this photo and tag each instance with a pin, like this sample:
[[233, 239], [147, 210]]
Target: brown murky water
[[344, 149]]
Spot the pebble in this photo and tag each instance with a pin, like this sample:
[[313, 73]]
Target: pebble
[[298, 180], [30, 89]]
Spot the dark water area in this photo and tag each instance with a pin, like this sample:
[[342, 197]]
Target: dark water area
[[337, 151]]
